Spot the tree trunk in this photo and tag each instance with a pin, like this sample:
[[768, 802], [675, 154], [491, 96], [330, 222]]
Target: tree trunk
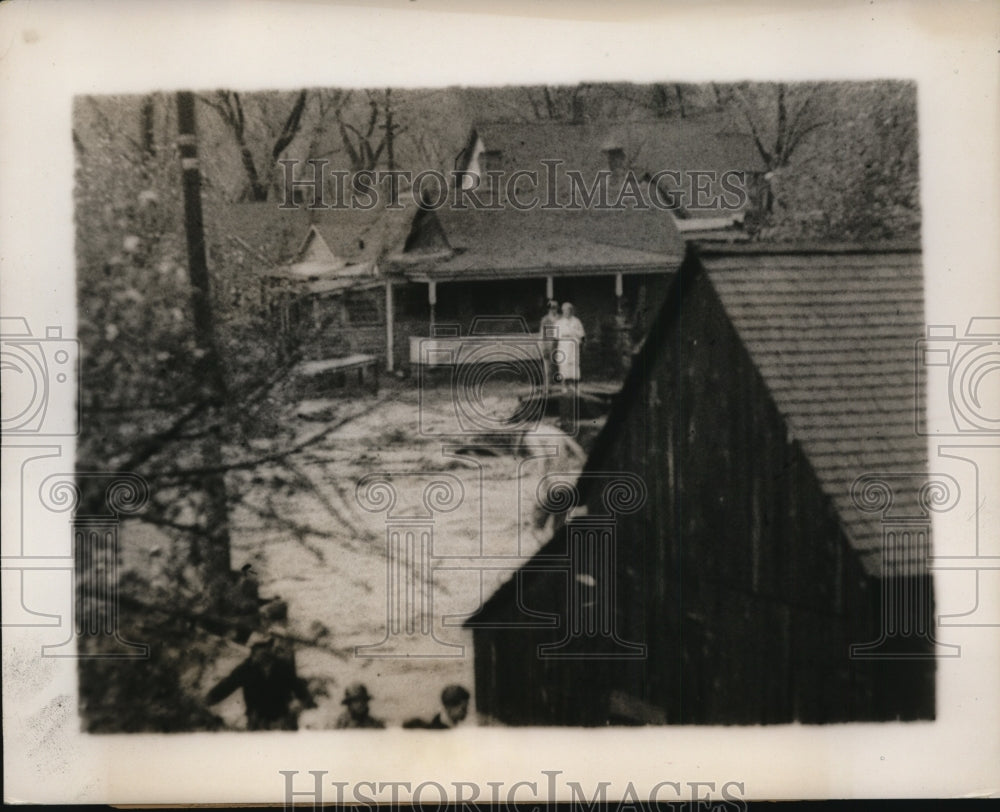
[[147, 138], [255, 190], [390, 148], [661, 102], [680, 100]]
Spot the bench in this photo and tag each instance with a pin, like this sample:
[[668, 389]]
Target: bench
[[318, 377]]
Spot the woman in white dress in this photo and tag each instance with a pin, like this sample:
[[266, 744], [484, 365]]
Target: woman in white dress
[[571, 334]]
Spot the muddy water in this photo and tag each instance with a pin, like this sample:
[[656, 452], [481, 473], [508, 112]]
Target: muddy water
[[340, 579]]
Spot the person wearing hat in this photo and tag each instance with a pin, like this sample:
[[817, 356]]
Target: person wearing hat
[[270, 684], [455, 707], [547, 331], [356, 698]]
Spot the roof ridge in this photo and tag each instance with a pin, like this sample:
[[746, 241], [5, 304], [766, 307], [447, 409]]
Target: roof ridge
[[810, 248]]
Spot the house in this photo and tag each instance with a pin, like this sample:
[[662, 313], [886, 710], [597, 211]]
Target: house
[[383, 280], [547, 230], [332, 292], [686, 158], [612, 265], [726, 561]]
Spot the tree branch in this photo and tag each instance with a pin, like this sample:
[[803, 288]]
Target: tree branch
[[765, 153], [181, 475], [291, 126]]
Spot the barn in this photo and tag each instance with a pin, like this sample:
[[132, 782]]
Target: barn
[[721, 561]]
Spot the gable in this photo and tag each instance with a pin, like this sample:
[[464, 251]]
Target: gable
[[315, 251]]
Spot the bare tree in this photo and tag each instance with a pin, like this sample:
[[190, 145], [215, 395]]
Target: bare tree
[[231, 109], [366, 141], [667, 100], [779, 119], [558, 103]]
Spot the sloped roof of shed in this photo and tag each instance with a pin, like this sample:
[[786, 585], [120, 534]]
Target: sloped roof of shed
[[833, 334]]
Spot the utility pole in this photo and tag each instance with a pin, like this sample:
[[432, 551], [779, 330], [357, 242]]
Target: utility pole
[[390, 148], [211, 552]]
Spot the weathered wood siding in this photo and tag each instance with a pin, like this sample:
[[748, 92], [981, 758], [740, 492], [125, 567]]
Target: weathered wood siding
[[736, 574]]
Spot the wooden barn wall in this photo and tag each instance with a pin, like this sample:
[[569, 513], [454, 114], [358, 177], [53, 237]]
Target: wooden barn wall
[[736, 575]]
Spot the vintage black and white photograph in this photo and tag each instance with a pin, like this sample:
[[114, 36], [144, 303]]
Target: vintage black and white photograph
[[535, 417], [530, 405]]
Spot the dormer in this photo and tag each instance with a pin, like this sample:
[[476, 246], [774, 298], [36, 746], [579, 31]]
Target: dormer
[[315, 251]]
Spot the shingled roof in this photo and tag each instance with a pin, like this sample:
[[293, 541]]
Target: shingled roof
[[358, 235], [508, 243], [342, 247], [706, 142], [833, 334], [265, 232]]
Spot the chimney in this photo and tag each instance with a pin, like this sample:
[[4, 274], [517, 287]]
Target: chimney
[[615, 157]]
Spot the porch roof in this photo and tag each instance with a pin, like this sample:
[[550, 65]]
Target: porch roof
[[512, 244]]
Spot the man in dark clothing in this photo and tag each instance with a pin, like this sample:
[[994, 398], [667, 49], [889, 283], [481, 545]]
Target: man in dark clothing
[[356, 698], [455, 702], [269, 684]]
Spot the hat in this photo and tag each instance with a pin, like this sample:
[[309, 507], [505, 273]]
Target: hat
[[453, 695], [355, 690], [259, 639], [552, 303]]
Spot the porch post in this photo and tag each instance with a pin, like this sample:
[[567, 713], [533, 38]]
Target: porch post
[[549, 288], [621, 330], [389, 327], [432, 300]]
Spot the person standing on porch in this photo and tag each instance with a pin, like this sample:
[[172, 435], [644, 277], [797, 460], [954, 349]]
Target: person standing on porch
[[571, 335], [547, 333]]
